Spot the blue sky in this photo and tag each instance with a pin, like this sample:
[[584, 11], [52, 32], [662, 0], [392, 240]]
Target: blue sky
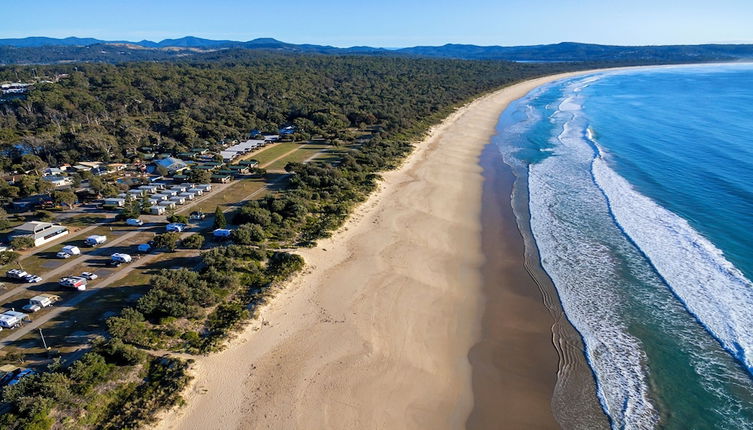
[[389, 23]]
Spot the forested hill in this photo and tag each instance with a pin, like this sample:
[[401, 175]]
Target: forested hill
[[42, 50], [107, 112]]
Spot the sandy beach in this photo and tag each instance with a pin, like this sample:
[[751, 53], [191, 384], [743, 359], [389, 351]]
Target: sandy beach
[[400, 320]]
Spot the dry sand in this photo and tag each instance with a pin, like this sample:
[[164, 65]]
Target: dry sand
[[377, 332]]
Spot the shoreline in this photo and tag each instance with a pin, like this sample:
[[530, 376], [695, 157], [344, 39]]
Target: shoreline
[[382, 328]]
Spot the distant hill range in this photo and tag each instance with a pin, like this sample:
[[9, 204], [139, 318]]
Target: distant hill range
[[36, 50]]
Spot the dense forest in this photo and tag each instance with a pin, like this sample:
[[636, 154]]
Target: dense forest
[[106, 112]]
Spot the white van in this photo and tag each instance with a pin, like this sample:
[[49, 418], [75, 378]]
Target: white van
[[120, 258]]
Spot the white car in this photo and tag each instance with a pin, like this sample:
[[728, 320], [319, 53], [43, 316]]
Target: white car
[[134, 222], [31, 308], [63, 255], [32, 279], [178, 227], [90, 276]]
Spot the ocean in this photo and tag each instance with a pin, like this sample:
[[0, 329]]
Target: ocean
[[639, 185]]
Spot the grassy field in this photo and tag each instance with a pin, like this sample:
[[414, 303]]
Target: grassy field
[[303, 153], [269, 154], [231, 196]]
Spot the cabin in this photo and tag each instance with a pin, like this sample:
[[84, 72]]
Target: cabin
[[187, 195], [239, 169], [115, 202], [222, 179], [249, 163], [157, 210], [167, 204], [178, 200], [151, 189], [40, 232], [196, 191]]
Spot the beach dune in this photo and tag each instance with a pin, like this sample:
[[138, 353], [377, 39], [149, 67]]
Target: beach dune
[[377, 332]]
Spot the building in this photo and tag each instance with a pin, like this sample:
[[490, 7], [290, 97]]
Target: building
[[40, 232], [114, 202], [222, 179], [172, 164]]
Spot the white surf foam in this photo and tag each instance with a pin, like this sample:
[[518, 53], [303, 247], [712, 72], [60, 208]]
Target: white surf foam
[[567, 213], [710, 287]]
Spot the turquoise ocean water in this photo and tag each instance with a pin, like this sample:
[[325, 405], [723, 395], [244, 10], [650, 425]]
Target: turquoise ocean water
[[640, 191]]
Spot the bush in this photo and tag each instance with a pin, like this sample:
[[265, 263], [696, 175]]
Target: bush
[[22, 242], [248, 234], [7, 257], [44, 215], [219, 218], [283, 264], [194, 241], [131, 327], [178, 218], [167, 240], [116, 351]]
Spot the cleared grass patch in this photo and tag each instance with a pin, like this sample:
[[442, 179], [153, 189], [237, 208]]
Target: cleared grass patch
[[267, 155], [303, 153], [231, 196]]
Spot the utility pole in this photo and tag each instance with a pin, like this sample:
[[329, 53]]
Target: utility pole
[[43, 341]]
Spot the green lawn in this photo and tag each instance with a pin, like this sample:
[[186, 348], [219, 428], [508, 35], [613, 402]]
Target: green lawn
[[303, 153], [230, 196], [268, 154]]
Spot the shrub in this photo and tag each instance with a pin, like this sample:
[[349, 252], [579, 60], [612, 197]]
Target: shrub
[[22, 242], [248, 234], [44, 215], [219, 218], [283, 264], [7, 257], [194, 241], [167, 240], [178, 218]]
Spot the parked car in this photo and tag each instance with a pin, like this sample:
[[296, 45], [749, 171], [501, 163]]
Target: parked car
[[39, 302], [198, 215], [32, 279], [30, 308], [62, 255], [176, 226], [134, 222], [144, 248], [71, 250], [90, 276]]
